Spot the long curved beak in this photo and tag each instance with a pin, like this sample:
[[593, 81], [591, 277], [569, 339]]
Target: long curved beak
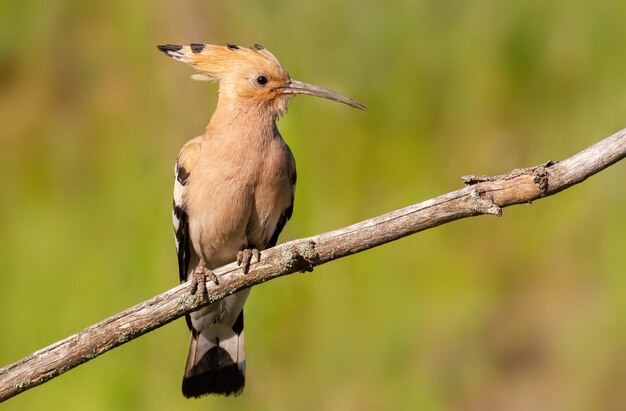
[[298, 87]]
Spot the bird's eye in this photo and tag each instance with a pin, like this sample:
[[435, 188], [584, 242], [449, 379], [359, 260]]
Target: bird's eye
[[261, 80]]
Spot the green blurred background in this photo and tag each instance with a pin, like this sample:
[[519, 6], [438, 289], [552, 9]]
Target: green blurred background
[[526, 312]]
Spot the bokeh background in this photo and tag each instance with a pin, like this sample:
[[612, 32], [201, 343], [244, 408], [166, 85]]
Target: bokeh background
[[525, 312]]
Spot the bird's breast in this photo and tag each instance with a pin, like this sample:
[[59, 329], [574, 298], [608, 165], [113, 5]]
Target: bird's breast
[[236, 197]]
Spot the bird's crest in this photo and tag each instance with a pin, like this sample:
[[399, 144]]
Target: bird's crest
[[216, 62], [250, 75]]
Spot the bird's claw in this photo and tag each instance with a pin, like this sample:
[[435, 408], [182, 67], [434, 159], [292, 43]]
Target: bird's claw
[[245, 257], [199, 279]]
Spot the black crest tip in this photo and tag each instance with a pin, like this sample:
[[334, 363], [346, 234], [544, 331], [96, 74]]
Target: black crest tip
[[257, 46], [232, 47], [169, 47], [197, 47]]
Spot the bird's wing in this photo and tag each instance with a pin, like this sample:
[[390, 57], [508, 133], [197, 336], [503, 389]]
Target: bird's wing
[[185, 163], [285, 215]]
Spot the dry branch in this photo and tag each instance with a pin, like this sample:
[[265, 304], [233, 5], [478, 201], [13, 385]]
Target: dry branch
[[482, 195]]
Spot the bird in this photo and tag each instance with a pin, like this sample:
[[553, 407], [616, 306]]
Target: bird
[[234, 192]]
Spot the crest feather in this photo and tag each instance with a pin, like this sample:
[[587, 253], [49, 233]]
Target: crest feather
[[214, 62]]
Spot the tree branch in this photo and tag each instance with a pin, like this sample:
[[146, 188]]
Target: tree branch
[[482, 195]]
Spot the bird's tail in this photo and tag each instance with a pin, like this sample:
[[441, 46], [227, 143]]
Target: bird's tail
[[216, 363]]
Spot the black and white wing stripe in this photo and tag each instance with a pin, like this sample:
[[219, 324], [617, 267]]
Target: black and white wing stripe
[[285, 215], [181, 222], [184, 164]]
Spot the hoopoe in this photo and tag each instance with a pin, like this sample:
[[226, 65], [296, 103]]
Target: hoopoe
[[233, 194]]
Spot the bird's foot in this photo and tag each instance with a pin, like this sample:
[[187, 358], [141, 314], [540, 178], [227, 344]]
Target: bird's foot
[[199, 279], [245, 257]]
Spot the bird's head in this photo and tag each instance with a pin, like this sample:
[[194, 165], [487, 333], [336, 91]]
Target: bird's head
[[249, 76]]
